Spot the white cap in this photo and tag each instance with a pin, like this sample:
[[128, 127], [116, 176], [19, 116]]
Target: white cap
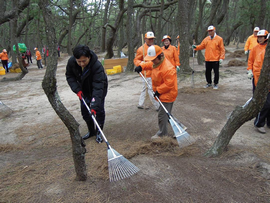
[[211, 27], [257, 29], [149, 35], [152, 52]]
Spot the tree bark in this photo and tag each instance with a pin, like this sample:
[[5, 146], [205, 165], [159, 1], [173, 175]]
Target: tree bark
[[50, 89], [130, 65], [245, 113], [184, 35]]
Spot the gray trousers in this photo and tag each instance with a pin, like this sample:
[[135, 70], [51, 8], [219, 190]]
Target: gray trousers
[[163, 119]]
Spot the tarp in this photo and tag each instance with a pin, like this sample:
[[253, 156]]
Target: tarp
[[22, 48]]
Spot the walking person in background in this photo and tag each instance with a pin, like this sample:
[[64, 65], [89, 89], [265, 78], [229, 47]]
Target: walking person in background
[[170, 52], [45, 52], [87, 78], [58, 50], [38, 58], [164, 83], [251, 41], [29, 56], [255, 63], [139, 59], [4, 59], [214, 55]]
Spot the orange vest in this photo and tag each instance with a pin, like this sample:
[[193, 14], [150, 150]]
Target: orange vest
[[164, 80], [4, 56], [251, 42], [172, 55], [255, 61], [139, 58], [38, 55], [214, 48]]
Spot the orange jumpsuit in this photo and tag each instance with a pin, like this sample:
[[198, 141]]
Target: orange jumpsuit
[[251, 42], [171, 54], [255, 61]]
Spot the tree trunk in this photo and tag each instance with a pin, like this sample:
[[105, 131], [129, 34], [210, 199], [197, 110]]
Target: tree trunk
[[105, 20], [184, 33], [50, 89], [130, 65], [245, 113]]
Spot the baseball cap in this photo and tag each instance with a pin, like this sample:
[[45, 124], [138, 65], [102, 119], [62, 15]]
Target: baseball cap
[[152, 52], [211, 27], [149, 35], [166, 37], [263, 33], [4, 50], [256, 29]]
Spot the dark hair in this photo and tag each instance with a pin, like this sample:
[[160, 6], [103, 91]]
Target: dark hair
[[81, 50], [160, 55]]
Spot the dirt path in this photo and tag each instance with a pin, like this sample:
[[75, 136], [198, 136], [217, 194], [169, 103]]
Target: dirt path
[[35, 151]]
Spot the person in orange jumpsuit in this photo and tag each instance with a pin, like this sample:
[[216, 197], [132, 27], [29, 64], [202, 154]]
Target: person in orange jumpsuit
[[214, 55], [38, 58], [170, 52], [4, 59], [164, 84], [139, 59], [251, 41], [255, 63]]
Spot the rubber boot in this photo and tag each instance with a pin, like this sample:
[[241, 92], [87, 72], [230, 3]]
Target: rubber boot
[[91, 130], [99, 136]]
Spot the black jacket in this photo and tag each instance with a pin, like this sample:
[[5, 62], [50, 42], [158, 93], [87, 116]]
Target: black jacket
[[92, 81]]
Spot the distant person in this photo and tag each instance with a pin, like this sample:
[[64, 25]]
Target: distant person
[[214, 55], [251, 41], [164, 83], [4, 59], [29, 56], [255, 63], [139, 59], [58, 50], [170, 52], [23, 60], [38, 58], [87, 78], [45, 52]]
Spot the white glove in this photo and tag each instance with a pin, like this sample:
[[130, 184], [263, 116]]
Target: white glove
[[177, 68], [250, 74], [246, 52], [220, 61]]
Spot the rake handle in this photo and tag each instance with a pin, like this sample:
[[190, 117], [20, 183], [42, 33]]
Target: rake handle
[[94, 119]]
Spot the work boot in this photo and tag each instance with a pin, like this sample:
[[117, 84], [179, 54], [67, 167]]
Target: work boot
[[91, 130], [99, 136], [261, 130]]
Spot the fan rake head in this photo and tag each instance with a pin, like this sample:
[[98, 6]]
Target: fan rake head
[[119, 166]]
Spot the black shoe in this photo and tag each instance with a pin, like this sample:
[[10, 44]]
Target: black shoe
[[99, 138], [87, 135]]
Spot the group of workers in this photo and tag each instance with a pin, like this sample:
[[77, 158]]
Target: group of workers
[[158, 65]]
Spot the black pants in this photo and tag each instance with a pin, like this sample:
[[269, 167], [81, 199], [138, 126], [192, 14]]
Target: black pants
[[5, 65], [264, 114], [100, 117], [210, 65], [29, 58]]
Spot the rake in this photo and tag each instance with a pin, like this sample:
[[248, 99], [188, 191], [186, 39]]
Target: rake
[[119, 167], [183, 138]]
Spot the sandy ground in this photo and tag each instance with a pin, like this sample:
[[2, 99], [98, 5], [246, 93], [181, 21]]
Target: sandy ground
[[35, 150]]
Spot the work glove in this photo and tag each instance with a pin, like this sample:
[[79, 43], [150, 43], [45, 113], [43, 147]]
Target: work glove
[[246, 52], [93, 111], [220, 61], [250, 74], [156, 94], [138, 69], [80, 95], [177, 68], [193, 46]]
